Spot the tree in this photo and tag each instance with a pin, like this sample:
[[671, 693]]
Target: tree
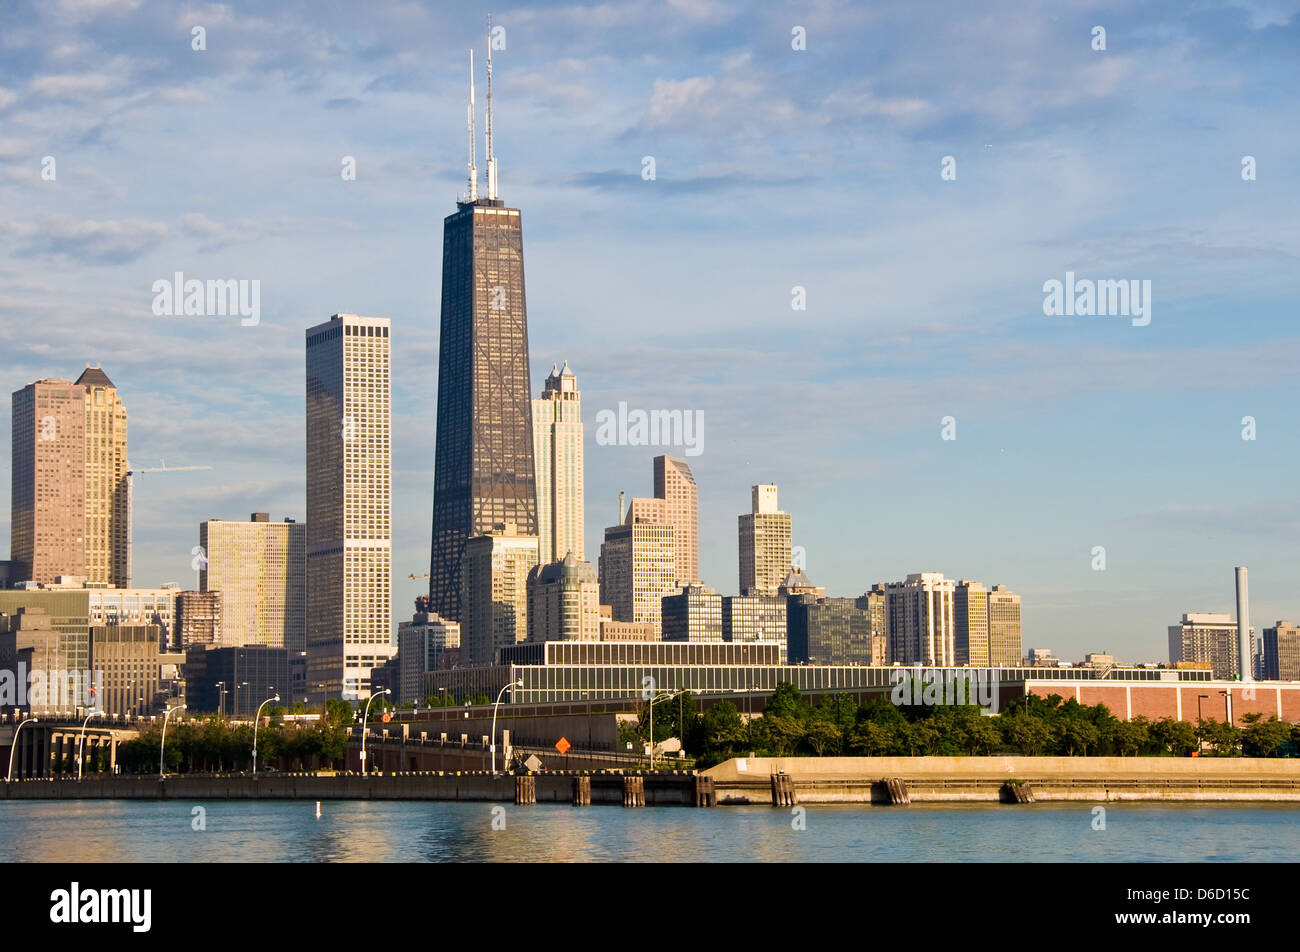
[[824, 736], [1077, 735], [921, 738], [1130, 737], [785, 733], [786, 701], [1263, 738], [1026, 733], [872, 739], [1224, 738], [1177, 737], [724, 731], [978, 734]]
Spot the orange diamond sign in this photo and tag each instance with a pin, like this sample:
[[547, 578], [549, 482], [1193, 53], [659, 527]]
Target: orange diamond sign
[[562, 745], [387, 717]]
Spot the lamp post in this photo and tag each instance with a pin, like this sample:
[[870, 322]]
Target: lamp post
[[82, 742], [163, 744], [364, 719], [493, 745], [14, 748], [667, 697], [256, 721], [221, 697]]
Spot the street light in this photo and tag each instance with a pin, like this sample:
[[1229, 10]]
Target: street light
[[256, 721], [493, 745], [82, 742], [364, 719], [14, 748], [221, 696], [163, 744], [652, 722]]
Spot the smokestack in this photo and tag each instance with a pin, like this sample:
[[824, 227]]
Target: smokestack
[[1243, 625], [620, 509]]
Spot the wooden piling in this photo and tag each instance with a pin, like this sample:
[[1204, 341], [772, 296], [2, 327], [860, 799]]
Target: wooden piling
[[633, 791], [705, 794], [582, 791], [782, 790], [525, 789]]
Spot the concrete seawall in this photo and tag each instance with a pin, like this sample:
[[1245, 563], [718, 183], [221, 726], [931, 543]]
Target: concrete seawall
[[663, 789], [981, 779]]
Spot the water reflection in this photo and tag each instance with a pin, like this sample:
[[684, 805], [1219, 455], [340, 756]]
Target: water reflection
[[379, 831]]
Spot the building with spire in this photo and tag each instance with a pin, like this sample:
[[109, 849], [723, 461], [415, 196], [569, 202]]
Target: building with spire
[[483, 458], [557, 454]]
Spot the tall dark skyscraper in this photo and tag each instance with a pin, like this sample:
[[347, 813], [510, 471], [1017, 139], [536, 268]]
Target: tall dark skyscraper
[[483, 467]]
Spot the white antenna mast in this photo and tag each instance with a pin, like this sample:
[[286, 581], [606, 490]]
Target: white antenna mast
[[491, 156], [473, 170]]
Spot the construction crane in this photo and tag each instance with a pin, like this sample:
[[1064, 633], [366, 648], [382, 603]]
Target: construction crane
[[423, 575], [130, 504]]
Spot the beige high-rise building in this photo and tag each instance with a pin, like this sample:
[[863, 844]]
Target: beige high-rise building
[[765, 550], [108, 504], [557, 456], [1207, 637], [919, 619], [127, 660], [1004, 627], [421, 644], [970, 604], [564, 601], [48, 495], [349, 505], [259, 567], [676, 486], [693, 613], [70, 495], [494, 592], [638, 567]]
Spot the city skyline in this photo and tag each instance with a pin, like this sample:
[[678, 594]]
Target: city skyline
[[1065, 436]]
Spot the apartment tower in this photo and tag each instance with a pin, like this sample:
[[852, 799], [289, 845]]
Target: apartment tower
[[349, 505], [259, 567], [676, 486], [764, 543], [557, 452]]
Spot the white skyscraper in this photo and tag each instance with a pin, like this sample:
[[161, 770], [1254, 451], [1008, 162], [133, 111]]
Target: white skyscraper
[[765, 551], [349, 505], [557, 454], [920, 620]]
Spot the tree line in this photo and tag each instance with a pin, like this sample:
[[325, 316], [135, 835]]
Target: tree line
[[1030, 726]]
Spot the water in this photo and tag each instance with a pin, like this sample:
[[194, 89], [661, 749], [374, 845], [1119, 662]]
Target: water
[[374, 831]]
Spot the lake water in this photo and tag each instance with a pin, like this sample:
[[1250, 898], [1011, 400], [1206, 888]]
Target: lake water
[[389, 831]]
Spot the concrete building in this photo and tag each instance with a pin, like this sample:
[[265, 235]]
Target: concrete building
[[970, 605], [1208, 637], [198, 620], [611, 630], [675, 484], [564, 601], [754, 618], [765, 550], [836, 631], [259, 567], [1280, 658], [422, 643], [796, 582], [1004, 627], [557, 454], [919, 616], [108, 490], [128, 661], [135, 607], [349, 505], [692, 614], [30, 651], [638, 567], [48, 491], [494, 597]]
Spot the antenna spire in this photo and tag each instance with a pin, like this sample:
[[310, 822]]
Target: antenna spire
[[473, 169], [491, 155]]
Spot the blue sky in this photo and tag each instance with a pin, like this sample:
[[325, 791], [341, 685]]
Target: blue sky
[[774, 168]]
